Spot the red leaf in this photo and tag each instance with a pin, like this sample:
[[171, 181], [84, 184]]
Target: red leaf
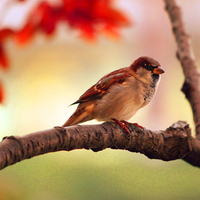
[[93, 16], [90, 17], [1, 93], [5, 33], [3, 58], [48, 17], [26, 34]]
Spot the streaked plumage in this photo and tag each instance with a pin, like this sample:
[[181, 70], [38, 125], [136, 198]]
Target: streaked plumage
[[119, 94]]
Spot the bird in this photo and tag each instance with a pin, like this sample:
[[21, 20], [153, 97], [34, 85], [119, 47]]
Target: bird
[[118, 95]]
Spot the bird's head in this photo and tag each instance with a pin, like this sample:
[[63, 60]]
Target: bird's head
[[146, 69]]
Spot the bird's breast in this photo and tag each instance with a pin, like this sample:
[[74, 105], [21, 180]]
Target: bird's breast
[[148, 94], [122, 101]]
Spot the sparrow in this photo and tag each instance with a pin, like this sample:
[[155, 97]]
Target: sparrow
[[120, 94]]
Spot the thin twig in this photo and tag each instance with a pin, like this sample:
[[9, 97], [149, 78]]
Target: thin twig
[[191, 86]]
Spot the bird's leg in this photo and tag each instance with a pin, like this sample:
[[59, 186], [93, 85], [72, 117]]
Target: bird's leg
[[122, 124], [136, 124]]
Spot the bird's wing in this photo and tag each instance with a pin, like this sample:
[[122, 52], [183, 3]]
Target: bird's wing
[[103, 85]]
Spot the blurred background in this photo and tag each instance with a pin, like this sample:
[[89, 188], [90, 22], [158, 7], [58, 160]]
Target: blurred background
[[47, 75]]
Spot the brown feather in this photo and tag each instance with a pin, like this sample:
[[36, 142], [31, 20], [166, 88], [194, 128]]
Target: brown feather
[[103, 85], [84, 112]]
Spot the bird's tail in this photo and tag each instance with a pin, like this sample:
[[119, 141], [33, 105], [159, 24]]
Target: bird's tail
[[74, 119], [79, 116]]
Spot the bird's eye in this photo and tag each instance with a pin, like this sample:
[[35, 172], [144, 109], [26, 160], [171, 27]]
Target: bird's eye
[[149, 67]]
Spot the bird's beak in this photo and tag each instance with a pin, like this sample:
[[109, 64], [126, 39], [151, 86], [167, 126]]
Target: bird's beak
[[158, 70]]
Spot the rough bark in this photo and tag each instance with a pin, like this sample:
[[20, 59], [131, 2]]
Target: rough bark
[[191, 85], [171, 144]]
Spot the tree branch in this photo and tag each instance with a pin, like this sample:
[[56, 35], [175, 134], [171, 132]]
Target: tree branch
[[191, 86], [171, 144]]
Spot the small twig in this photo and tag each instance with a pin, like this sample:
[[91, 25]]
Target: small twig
[[191, 86], [171, 144]]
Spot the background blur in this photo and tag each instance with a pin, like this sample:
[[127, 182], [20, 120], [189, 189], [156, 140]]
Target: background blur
[[48, 75]]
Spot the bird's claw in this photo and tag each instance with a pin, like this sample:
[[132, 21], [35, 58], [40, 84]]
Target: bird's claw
[[136, 124], [123, 124]]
